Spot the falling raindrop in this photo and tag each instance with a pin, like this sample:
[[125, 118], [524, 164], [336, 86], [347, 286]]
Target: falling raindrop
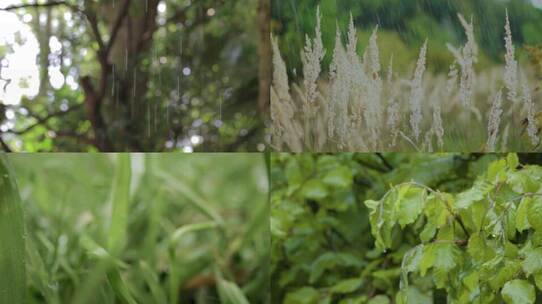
[[135, 84], [113, 87], [156, 108], [149, 120], [126, 60]]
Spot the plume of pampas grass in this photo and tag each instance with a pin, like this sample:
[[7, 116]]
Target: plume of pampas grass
[[494, 122], [532, 129], [416, 94], [355, 108], [511, 67], [312, 56]]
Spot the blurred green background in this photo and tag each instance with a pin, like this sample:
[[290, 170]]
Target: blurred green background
[[404, 25], [195, 227]]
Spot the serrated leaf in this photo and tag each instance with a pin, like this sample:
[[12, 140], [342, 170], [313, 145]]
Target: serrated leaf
[[446, 256], [533, 261], [504, 273], [410, 202], [477, 247], [428, 258], [466, 198], [522, 222], [534, 214], [518, 292]]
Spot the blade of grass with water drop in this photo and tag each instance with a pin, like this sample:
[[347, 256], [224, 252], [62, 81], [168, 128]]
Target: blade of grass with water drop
[[12, 250]]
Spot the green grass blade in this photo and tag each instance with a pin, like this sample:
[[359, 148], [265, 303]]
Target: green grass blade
[[152, 281], [180, 232], [229, 292], [201, 204], [12, 250], [121, 201]]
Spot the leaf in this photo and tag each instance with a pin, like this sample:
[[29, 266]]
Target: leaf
[[466, 198], [534, 214], [347, 286], [512, 160], [440, 256], [522, 222], [340, 177], [518, 292], [410, 202], [477, 247], [428, 258], [314, 189], [412, 294], [304, 295], [12, 244], [496, 171], [533, 261], [380, 299], [120, 199]]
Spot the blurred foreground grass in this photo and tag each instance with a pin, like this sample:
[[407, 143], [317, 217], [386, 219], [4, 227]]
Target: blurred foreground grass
[[144, 228]]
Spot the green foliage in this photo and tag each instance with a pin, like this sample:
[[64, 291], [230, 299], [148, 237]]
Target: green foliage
[[12, 261], [473, 243], [122, 228], [406, 228]]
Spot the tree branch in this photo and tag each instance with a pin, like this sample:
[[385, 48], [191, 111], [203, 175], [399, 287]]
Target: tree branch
[[35, 5], [4, 145], [43, 120], [118, 23]]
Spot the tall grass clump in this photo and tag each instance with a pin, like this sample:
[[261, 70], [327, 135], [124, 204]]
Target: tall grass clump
[[134, 228], [358, 106]]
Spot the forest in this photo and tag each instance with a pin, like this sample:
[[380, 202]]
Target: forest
[[133, 228], [425, 76], [126, 75], [406, 228]]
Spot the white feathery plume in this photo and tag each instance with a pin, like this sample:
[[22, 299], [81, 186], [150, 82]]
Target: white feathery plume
[[437, 127], [416, 94], [313, 54], [511, 67], [494, 122], [532, 129]]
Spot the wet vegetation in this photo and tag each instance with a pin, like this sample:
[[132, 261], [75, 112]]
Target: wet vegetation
[[121, 228], [126, 75]]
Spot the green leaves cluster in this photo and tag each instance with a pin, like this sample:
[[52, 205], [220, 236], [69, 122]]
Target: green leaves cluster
[[482, 244]]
